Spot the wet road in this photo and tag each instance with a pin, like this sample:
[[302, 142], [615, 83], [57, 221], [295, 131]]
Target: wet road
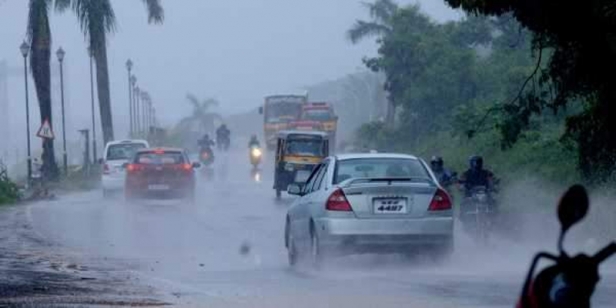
[[191, 255]]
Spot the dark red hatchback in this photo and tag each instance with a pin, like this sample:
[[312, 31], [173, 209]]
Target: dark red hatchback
[[160, 173]]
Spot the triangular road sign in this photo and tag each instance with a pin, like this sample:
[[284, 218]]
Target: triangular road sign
[[45, 131]]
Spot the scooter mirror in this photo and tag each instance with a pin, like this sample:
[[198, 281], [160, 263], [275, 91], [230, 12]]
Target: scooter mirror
[[573, 207]]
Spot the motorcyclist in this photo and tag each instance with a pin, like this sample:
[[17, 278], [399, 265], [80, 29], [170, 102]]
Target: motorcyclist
[[476, 175], [206, 142], [254, 142], [444, 176], [223, 135]]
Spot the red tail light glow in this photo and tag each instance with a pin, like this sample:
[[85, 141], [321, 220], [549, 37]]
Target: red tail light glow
[[440, 201], [133, 167], [337, 201], [186, 167]]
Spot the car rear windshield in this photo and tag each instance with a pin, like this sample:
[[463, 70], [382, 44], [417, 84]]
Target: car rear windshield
[[123, 151], [160, 158], [379, 168]]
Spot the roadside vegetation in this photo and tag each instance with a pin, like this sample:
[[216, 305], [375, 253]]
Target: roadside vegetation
[[479, 85], [8, 189]]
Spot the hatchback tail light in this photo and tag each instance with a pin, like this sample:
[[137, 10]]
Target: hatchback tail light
[[133, 168], [337, 201], [440, 201], [186, 167], [106, 169]]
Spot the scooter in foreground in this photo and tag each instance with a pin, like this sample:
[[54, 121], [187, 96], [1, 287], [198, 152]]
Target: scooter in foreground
[[571, 281]]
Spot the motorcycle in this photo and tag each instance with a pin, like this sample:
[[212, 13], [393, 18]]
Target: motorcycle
[[480, 212], [571, 281], [255, 156], [206, 156]]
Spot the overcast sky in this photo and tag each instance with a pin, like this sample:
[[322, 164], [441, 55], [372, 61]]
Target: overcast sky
[[234, 50]]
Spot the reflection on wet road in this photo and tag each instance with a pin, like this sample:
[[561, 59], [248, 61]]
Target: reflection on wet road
[[227, 250]]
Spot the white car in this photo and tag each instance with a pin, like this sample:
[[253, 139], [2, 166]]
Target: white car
[[116, 154], [369, 203]]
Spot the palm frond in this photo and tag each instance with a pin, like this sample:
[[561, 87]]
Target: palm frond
[[362, 29], [156, 13], [62, 5], [381, 10]]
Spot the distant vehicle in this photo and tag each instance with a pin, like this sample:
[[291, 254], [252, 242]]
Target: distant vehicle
[[296, 155], [369, 203], [160, 173], [256, 155], [322, 113], [278, 111], [116, 154]]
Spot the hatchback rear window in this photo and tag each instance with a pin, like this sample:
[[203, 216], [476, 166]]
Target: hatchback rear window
[[160, 158], [379, 168], [123, 151]]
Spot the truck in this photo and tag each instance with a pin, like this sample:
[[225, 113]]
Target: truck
[[322, 117], [278, 111]]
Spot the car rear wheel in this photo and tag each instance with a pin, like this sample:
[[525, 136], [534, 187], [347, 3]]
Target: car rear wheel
[[316, 251], [292, 252]]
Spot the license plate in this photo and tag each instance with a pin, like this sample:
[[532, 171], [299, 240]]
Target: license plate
[[158, 187], [301, 176], [390, 206]]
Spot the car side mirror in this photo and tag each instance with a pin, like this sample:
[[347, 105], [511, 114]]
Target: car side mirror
[[295, 189], [196, 165], [260, 110]]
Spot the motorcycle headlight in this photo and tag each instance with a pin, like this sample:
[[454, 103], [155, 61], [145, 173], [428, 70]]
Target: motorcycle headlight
[[289, 167], [256, 152]]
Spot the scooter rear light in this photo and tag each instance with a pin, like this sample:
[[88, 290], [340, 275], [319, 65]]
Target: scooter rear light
[[337, 201], [440, 201]]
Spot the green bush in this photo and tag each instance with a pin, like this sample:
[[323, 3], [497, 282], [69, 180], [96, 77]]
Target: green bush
[[8, 190]]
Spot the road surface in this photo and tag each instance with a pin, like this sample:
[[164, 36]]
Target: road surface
[[227, 251]]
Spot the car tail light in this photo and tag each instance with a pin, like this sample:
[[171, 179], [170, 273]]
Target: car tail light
[[133, 167], [106, 169], [186, 167], [337, 201], [440, 201]]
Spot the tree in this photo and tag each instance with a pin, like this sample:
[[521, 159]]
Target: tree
[[581, 41], [97, 19], [382, 13], [201, 113], [39, 34]]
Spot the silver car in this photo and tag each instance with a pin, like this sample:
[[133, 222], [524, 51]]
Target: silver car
[[369, 203]]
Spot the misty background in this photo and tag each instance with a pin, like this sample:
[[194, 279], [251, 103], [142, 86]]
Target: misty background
[[235, 51]]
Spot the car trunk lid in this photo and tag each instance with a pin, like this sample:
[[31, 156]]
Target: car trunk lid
[[393, 198]]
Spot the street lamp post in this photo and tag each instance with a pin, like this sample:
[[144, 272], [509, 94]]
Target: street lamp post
[[60, 53], [144, 113], [133, 84], [137, 120], [92, 98], [129, 67], [25, 49]]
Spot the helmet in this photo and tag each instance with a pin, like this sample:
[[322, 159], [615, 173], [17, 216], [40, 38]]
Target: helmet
[[476, 162], [436, 161]]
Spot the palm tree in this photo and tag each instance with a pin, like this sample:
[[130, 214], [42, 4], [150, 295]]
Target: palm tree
[[201, 112], [381, 13], [39, 35], [97, 19]]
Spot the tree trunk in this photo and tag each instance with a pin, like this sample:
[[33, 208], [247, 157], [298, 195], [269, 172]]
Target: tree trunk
[[102, 83], [40, 57]]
